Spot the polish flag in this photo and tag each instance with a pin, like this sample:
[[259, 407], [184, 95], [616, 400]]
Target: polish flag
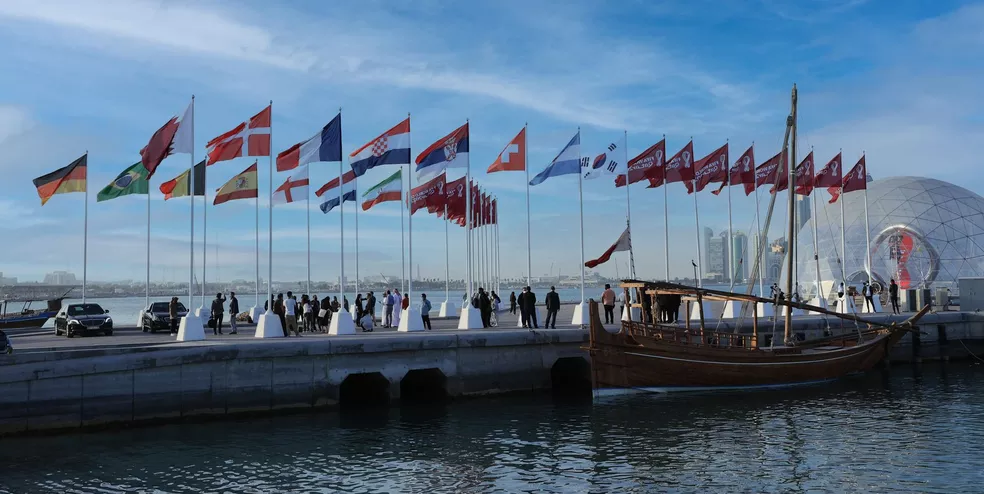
[[513, 157], [293, 190], [623, 243], [250, 138]]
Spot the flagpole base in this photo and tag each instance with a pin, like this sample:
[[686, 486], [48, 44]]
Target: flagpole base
[[410, 321], [519, 317], [580, 314], [732, 310], [635, 312], [268, 326], [341, 323], [817, 302], [877, 307], [470, 318], [845, 305], [191, 329], [254, 314], [712, 309], [448, 309], [203, 313]]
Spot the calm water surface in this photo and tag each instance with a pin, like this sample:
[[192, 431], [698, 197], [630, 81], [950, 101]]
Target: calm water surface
[[906, 430]]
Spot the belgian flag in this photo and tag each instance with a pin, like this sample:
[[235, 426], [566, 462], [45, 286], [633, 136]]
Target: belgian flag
[[64, 180], [180, 186]]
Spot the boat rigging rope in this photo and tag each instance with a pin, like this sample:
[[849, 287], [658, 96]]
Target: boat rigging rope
[[970, 352]]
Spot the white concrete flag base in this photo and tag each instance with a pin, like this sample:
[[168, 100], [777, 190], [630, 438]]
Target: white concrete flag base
[[766, 310], [877, 302], [355, 318], [845, 305], [448, 309], [820, 302], [581, 315], [268, 326], [140, 319], [411, 321], [203, 313], [470, 318], [712, 309], [635, 311], [191, 329], [732, 309], [519, 317], [341, 323], [254, 314]]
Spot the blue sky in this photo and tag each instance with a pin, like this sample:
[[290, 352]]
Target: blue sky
[[899, 80]]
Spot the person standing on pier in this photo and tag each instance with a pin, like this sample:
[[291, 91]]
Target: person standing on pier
[[290, 314], [388, 309], [172, 312], [523, 315], [397, 307], [484, 307], [893, 294], [358, 307], [608, 300], [345, 303], [530, 303], [512, 303], [218, 308], [425, 308], [553, 307], [316, 312], [868, 295], [233, 312], [371, 305]]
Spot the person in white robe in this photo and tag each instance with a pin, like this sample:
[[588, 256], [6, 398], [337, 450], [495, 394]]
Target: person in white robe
[[397, 307]]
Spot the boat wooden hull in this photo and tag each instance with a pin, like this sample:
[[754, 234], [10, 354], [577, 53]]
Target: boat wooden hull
[[630, 360]]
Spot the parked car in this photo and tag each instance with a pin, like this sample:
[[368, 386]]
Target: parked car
[[81, 319], [157, 316]]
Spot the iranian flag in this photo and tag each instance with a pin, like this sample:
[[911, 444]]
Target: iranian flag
[[390, 189]]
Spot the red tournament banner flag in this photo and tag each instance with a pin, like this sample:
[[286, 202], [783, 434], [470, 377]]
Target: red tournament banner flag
[[648, 165], [71, 178], [455, 192], [429, 195], [250, 138], [742, 172], [766, 172], [624, 243], [495, 211], [242, 186], [711, 168], [295, 188], [513, 157], [830, 177], [857, 178], [680, 168], [804, 176]]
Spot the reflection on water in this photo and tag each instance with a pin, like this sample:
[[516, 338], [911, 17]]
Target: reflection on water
[[908, 430]]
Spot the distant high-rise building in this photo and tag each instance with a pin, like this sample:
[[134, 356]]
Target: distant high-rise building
[[717, 257], [707, 235], [60, 278], [739, 256], [753, 250]]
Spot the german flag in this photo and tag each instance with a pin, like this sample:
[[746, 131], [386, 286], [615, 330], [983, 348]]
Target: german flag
[[180, 185], [64, 180], [242, 186]]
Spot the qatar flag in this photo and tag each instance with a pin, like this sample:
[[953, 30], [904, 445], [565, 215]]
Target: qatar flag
[[623, 243]]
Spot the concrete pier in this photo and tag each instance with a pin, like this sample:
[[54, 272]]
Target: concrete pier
[[54, 383]]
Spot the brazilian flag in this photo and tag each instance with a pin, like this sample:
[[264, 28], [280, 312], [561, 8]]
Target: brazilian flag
[[133, 180]]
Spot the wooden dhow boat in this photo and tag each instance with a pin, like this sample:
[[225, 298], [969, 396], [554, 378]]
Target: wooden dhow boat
[[658, 356]]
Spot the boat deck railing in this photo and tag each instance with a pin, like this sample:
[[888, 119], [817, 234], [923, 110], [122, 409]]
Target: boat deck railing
[[693, 337]]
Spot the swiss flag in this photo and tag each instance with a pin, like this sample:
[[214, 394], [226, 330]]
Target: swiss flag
[[513, 157], [250, 138]]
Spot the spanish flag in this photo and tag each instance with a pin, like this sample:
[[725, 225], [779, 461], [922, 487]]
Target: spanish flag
[[64, 180], [242, 186], [181, 185]]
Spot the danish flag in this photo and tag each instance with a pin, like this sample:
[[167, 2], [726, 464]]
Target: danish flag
[[250, 138]]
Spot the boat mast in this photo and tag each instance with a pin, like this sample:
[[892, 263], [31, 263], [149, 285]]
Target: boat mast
[[790, 238]]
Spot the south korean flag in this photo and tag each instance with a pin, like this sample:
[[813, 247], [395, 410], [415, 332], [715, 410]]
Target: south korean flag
[[607, 164]]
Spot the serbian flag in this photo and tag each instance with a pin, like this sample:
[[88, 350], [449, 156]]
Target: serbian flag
[[250, 138], [680, 168], [390, 189], [623, 244], [242, 186], [831, 178], [711, 168], [325, 146], [856, 179], [513, 157], [804, 176], [71, 178], [428, 195], [390, 148], [293, 189], [332, 197], [649, 164], [450, 151]]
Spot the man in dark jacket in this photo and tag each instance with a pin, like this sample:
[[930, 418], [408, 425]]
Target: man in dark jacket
[[218, 308], [233, 312], [553, 306], [893, 294], [523, 315], [529, 305], [485, 307], [371, 305]]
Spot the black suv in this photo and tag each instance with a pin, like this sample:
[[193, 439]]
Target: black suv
[[157, 316], [80, 319]]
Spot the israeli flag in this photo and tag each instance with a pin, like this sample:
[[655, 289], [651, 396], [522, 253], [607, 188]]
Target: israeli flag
[[566, 163]]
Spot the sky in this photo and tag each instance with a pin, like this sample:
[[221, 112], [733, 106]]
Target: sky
[[899, 81]]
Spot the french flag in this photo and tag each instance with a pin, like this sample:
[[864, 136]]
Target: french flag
[[450, 151], [390, 148], [324, 146], [329, 192]]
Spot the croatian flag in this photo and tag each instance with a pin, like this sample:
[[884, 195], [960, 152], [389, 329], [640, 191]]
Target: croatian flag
[[450, 151], [329, 192], [293, 190], [390, 148], [566, 163], [325, 146]]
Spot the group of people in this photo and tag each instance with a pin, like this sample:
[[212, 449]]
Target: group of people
[[488, 304]]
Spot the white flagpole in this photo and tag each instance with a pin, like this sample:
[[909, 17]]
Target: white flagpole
[[700, 270], [481, 238], [447, 257], [191, 185], [498, 257], [666, 218], [270, 226], [357, 208], [147, 291], [821, 301], [468, 216], [85, 229], [760, 240], [867, 229], [341, 239], [404, 204], [628, 202], [204, 231], [257, 253], [731, 242], [403, 234], [529, 250], [580, 200], [307, 209], [843, 240]]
